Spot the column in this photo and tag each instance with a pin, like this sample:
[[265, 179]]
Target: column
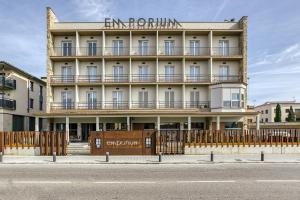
[[76, 96], [257, 122], [218, 123], [103, 43], [77, 44], [158, 123], [156, 97], [97, 124], [79, 130], [128, 123], [183, 97], [183, 43], [36, 128], [103, 97], [210, 63], [67, 129], [189, 123], [129, 97]]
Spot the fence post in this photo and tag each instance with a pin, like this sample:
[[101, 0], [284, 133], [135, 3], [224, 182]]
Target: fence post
[[159, 157], [211, 156], [262, 156], [54, 156], [107, 157]]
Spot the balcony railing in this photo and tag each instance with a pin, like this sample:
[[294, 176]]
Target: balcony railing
[[143, 51], [62, 79], [122, 78], [88, 51], [8, 104], [89, 78], [64, 51], [174, 51], [7, 83], [197, 51], [62, 105], [170, 104], [116, 51], [143, 104], [142, 78], [197, 78], [89, 105], [170, 78], [118, 105], [229, 78], [230, 51], [197, 104]]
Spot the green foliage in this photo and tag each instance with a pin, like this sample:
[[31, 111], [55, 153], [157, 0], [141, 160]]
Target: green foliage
[[291, 115], [277, 113]]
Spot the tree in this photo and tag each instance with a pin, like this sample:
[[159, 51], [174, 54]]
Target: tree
[[277, 113], [291, 115]]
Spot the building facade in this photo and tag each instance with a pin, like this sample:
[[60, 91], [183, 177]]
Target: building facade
[[22, 95], [119, 76], [267, 111]]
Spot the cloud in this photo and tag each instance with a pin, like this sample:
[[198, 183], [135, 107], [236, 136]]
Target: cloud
[[93, 9]]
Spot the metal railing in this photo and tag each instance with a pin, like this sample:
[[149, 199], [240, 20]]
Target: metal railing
[[89, 105], [143, 104], [116, 51], [171, 104], [197, 51], [90, 51], [8, 104], [230, 51], [119, 105], [7, 83], [62, 79], [197, 78], [117, 78], [63, 51], [62, 105], [197, 104], [229, 78], [89, 78], [170, 78], [175, 51], [143, 77], [146, 51]]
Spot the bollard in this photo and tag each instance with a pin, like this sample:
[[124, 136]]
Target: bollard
[[54, 156], [262, 156], [211, 156], [1, 156], [107, 156], [159, 157]]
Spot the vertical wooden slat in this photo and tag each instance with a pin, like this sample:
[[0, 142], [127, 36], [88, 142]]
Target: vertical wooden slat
[[41, 142]]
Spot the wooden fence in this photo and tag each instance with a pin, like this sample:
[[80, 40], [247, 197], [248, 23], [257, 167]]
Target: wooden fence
[[252, 137], [48, 142]]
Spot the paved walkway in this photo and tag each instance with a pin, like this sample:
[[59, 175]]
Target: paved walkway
[[166, 159]]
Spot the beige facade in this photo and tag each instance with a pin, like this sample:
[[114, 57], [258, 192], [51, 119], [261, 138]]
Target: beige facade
[[22, 95], [190, 76]]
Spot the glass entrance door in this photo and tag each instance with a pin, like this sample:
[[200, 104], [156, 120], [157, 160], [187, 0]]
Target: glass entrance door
[[195, 47], [169, 47], [223, 47], [117, 99], [66, 99], [117, 47], [91, 99], [67, 48], [143, 47], [169, 99], [223, 73]]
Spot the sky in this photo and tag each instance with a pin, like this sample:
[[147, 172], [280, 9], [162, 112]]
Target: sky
[[273, 33]]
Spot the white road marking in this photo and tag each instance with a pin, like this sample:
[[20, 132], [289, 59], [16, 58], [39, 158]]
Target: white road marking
[[278, 181], [124, 182], [208, 181], [42, 182]]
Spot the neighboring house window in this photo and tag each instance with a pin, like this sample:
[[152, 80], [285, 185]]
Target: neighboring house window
[[267, 111], [41, 105], [287, 110], [262, 112], [31, 86], [31, 103], [41, 98], [297, 110], [266, 120]]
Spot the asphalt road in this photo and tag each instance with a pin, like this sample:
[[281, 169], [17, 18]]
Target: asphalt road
[[203, 181]]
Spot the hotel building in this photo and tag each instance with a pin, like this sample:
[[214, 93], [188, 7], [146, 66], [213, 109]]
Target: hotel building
[[121, 77]]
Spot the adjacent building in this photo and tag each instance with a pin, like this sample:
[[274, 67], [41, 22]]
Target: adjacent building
[[22, 95], [134, 75]]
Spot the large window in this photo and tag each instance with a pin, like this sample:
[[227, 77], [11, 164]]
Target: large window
[[233, 98], [92, 48], [143, 47]]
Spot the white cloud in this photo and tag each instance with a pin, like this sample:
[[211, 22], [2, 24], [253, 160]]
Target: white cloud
[[93, 9]]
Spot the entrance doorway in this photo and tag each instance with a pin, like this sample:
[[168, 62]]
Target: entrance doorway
[[85, 130]]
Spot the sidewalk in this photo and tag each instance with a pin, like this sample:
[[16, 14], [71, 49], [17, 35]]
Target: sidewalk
[[166, 159]]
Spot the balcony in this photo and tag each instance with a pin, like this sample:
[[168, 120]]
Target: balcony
[[224, 79], [89, 105], [91, 52], [63, 52], [173, 51], [170, 78], [62, 105], [89, 79], [143, 104], [197, 104], [170, 104], [116, 105], [116, 51], [143, 78], [197, 51], [122, 78], [9, 104], [7, 83], [62, 79], [143, 51], [197, 78], [225, 52]]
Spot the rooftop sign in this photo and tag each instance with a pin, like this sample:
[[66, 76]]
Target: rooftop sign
[[142, 23]]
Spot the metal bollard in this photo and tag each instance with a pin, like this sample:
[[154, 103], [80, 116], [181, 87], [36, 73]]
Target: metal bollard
[[1, 156], [159, 157], [262, 156], [107, 156], [211, 156], [54, 156]]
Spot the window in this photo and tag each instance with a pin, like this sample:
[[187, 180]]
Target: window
[[41, 105], [117, 99], [233, 98], [92, 48], [287, 110], [194, 73], [148, 142], [31, 103], [169, 73], [31, 85], [195, 47], [98, 143], [262, 112], [143, 99], [117, 47], [66, 48], [91, 99], [194, 99], [169, 47], [266, 120], [267, 111], [143, 73], [143, 47], [118, 73], [224, 47], [169, 99], [223, 72]]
